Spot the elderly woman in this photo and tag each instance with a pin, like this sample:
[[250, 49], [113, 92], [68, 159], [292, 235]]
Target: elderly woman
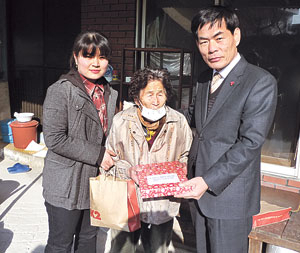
[[148, 132], [77, 116]]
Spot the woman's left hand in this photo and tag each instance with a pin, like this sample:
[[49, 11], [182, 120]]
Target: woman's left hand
[[133, 175]]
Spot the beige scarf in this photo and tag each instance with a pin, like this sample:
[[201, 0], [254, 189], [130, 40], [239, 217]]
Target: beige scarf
[[151, 127]]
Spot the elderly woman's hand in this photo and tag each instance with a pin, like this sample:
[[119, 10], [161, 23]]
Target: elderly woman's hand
[[133, 174]]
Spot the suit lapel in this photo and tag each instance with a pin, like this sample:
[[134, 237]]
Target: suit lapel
[[204, 101], [230, 83], [201, 99]]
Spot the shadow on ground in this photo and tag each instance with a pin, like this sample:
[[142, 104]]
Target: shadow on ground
[[7, 189], [5, 238]]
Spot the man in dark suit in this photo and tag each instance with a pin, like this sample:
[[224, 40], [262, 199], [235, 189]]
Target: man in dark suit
[[232, 117]]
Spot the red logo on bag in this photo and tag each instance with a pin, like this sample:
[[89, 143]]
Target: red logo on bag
[[95, 214]]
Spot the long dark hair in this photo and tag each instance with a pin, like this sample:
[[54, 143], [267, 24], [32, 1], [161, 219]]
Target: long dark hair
[[87, 43], [214, 15], [142, 77]]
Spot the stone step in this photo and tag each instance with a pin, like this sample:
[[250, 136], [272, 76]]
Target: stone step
[[22, 156]]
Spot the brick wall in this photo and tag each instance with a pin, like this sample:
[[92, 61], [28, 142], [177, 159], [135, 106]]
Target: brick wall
[[282, 183], [114, 18]]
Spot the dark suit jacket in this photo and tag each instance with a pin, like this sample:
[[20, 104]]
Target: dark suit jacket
[[227, 147]]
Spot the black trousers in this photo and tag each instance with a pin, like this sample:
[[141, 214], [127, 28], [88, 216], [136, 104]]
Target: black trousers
[[221, 235], [155, 238], [67, 225]]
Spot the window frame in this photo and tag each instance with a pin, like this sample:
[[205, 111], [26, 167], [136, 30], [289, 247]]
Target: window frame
[[280, 170]]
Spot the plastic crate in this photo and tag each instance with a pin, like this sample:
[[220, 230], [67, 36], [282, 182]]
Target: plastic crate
[[7, 138], [5, 126]]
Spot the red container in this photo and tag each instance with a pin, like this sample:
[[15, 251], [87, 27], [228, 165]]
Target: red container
[[24, 133]]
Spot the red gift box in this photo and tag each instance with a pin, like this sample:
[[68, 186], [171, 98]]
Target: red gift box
[[161, 179]]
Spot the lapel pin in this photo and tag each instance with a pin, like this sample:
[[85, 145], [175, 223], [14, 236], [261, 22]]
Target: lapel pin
[[231, 83]]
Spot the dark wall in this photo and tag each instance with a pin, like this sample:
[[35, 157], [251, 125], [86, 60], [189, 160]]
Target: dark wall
[[40, 38], [3, 49]]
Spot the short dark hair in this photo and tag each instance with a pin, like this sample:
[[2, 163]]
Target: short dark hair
[[87, 43], [212, 15], [142, 77]]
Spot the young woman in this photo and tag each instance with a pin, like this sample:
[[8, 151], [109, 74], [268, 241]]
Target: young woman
[[77, 116]]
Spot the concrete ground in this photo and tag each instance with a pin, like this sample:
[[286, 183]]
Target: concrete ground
[[23, 218]]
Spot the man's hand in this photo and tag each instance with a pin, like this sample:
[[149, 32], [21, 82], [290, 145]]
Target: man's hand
[[107, 161], [198, 188]]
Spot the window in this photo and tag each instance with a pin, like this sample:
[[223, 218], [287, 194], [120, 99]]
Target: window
[[271, 40]]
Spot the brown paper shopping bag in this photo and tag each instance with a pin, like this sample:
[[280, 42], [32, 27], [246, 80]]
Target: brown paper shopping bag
[[113, 203]]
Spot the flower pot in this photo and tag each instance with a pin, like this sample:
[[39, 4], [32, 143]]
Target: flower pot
[[24, 133]]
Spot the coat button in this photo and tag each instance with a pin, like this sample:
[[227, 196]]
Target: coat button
[[201, 138]]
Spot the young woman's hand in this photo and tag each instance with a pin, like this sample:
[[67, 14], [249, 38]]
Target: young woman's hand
[[107, 161]]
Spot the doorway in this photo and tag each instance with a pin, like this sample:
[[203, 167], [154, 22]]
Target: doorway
[[40, 38]]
